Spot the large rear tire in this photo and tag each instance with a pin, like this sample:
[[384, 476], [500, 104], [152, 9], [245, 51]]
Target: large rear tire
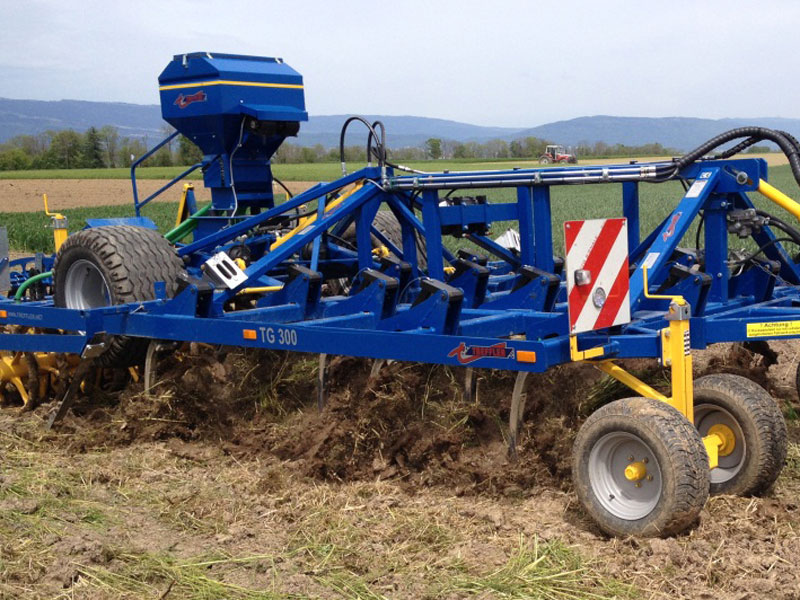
[[105, 266]]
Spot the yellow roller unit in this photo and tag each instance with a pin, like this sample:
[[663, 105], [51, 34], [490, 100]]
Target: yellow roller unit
[[15, 369]]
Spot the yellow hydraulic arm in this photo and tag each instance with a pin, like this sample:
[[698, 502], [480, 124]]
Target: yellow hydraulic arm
[[675, 354]]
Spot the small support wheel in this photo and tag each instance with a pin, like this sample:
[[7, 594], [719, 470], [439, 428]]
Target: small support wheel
[[640, 468], [752, 428]]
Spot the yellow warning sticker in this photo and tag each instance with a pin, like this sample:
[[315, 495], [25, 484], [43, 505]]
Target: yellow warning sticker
[[773, 329]]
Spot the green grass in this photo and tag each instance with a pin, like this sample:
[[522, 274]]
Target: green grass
[[322, 171], [548, 570], [31, 232], [159, 575]]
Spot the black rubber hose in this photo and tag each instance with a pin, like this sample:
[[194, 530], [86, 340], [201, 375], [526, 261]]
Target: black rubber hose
[[699, 230], [787, 145], [280, 183], [781, 224], [740, 147], [370, 151], [381, 148], [750, 257]]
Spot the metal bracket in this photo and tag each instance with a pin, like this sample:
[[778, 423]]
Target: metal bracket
[[579, 355], [224, 271]]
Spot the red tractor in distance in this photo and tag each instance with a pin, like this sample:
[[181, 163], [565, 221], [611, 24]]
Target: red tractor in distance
[[554, 153]]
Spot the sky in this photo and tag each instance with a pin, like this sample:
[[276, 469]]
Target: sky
[[490, 62]]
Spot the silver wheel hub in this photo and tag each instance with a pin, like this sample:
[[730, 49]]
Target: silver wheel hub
[[625, 476], [85, 286], [705, 417]]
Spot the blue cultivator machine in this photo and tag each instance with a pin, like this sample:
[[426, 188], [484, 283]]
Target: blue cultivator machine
[[358, 267]]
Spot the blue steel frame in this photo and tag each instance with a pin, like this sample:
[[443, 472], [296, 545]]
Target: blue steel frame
[[137, 205], [506, 313]]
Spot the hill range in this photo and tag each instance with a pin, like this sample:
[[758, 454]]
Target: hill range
[[144, 121]]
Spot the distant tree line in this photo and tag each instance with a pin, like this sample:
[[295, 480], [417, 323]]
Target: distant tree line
[[532, 148], [292, 153], [93, 149], [106, 148]]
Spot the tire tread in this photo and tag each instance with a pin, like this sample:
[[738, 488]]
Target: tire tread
[[684, 447], [133, 259], [770, 428]]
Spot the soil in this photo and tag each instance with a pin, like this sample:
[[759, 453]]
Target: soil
[[25, 195], [230, 453]]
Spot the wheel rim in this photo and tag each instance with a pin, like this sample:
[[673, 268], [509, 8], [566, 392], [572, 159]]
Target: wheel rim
[[619, 495], [705, 417], [85, 286]]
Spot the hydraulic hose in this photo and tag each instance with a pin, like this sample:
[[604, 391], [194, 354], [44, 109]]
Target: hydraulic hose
[[786, 142], [376, 151], [381, 144], [283, 185], [750, 257], [29, 282], [781, 224]]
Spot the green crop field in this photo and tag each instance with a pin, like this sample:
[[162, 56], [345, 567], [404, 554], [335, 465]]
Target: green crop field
[[326, 171], [30, 231]]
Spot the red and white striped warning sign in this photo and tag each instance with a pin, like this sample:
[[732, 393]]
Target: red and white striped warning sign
[[597, 273]]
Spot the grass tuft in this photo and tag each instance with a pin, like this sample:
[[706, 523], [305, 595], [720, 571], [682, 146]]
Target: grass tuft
[[548, 570]]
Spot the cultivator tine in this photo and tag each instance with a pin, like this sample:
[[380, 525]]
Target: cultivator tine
[[518, 398], [69, 394], [87, 362], [377, 365], [470, 389], [322, 382], [151, 361]]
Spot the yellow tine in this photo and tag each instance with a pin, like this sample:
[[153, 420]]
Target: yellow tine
[[21, 389]]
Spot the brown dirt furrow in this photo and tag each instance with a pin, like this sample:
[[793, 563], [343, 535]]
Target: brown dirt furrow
[[25, 195]]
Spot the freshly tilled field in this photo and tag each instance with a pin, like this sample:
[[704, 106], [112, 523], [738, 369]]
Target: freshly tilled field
[[228, 483]]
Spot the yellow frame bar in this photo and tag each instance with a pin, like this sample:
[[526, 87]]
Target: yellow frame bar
[[779, 198], [675, 354], [60, 231], [637, 385], [311, 218]]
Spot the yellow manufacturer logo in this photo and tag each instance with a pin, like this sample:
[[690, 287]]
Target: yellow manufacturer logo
[[773, 329]]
